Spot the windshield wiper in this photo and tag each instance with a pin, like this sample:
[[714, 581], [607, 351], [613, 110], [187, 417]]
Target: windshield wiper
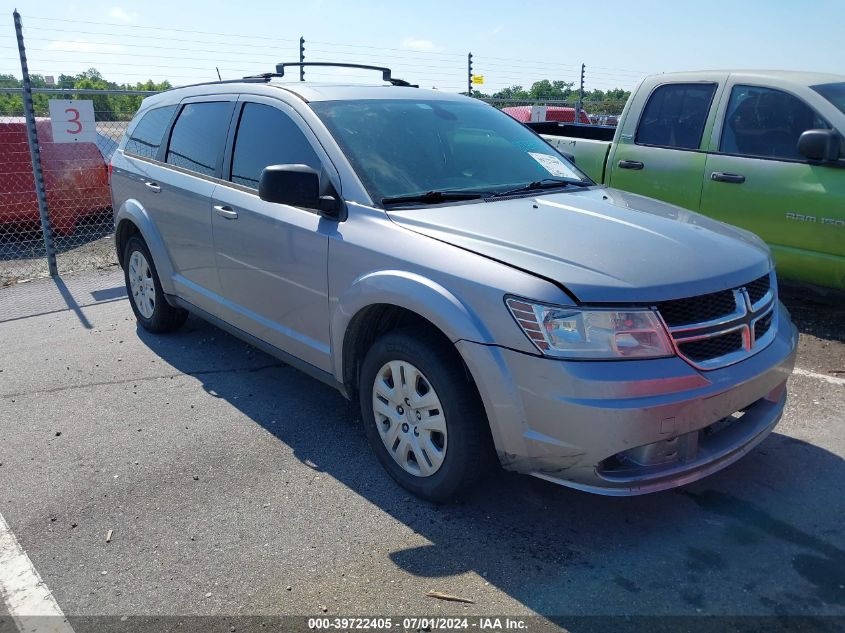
[[434, 197], [545, 183]]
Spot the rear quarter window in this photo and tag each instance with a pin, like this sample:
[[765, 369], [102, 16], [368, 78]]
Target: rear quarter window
[[835, 93], [147, 136], [674, 116]]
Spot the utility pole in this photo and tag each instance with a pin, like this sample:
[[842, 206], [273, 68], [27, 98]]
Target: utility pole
[[469, 74], [302, 58], [580, 97]]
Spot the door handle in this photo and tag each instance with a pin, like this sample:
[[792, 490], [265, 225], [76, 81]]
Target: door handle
[[630, 164], [721, 176], [153, 186], [226, 212]]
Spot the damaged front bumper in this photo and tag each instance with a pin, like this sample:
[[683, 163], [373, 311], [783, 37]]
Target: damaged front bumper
[[629, 427]]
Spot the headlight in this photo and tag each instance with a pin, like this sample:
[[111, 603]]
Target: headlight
[[597, 334]]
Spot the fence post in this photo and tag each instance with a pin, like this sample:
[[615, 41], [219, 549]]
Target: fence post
[[302, 58], [580, 97], [35, 152], [469, 74]]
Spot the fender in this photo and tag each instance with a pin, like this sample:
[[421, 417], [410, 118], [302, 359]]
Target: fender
[[134, 212], [412, 292]]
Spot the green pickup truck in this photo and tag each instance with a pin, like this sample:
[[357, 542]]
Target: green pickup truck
[[763, 150]]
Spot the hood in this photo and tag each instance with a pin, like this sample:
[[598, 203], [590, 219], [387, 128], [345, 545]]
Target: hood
[[603, 245]]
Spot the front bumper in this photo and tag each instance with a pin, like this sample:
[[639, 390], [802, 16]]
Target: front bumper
[[629, 427]]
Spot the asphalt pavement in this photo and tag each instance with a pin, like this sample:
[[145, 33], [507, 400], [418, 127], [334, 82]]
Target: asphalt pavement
[[233, 485]]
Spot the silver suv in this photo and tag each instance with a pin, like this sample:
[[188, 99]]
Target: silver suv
[[437, 261]]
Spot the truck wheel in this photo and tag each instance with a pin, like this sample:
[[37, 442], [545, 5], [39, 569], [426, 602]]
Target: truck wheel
[[145, 294], [422, 416]]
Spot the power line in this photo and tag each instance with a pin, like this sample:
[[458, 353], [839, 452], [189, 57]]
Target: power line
[[192, 59], [212, 74], [406, 51], [642, 72], [170, 48], [373, 57], [500, 69], [157, 28], [92, 64], [250, 36], [151, 37], [527, 61], [401, 50]]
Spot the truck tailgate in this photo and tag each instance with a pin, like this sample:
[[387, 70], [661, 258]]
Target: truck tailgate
[[590, 156]]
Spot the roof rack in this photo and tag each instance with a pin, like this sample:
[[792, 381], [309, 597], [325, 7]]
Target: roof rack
[[385, 72], [251, 79], [280, 72]]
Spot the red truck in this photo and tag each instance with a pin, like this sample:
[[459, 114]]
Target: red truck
[[560, 114], [75, 178]]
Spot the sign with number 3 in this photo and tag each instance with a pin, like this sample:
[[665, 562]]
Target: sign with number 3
[[72, 121]]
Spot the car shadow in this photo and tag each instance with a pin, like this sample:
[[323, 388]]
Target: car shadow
[[815, 311], [761, 538]]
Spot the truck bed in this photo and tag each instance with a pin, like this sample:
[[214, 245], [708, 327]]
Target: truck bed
[[588, 144], [591, 132]]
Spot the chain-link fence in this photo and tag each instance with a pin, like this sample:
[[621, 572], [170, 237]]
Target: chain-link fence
[[592, 112], [77, 191], [22, 250]]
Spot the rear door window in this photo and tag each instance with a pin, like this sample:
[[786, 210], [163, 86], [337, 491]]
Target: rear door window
[[147, 136], [674, 116], [267, 136], [835, 93], [766, 123], [198, 136]]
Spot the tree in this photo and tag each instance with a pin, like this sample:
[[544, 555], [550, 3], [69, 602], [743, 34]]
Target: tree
[[552, 90], [108, 107], [122, 107], [594, 102]]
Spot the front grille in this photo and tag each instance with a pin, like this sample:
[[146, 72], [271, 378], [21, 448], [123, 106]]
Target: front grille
[[697, 309], [758, 288], [762, 326], [710, 330], [710, 348], [711, 306]]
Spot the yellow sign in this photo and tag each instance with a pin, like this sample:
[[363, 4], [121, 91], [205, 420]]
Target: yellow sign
[[478, 79]]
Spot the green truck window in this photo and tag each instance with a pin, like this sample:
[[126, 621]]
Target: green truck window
[[764, 122], [675, 115]]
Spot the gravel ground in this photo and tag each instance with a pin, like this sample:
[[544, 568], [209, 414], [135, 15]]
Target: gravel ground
[[91, 247], [236, 486]]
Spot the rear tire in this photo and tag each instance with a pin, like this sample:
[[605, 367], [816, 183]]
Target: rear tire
[[144, 289], [422, 415]]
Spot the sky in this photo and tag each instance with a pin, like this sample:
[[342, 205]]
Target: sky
[[512, 43]]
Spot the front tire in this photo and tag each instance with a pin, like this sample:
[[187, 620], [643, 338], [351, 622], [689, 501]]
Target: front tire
[[144, 289], [422, 415]]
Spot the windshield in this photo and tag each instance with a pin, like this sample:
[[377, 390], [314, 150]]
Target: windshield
[[403, 147], [835, 93]]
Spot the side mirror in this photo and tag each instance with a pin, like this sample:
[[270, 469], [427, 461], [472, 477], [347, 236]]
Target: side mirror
[[297, 186], [820, 145]]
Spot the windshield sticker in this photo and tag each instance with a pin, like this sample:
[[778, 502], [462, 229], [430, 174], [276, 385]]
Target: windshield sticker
[[554, 165]]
